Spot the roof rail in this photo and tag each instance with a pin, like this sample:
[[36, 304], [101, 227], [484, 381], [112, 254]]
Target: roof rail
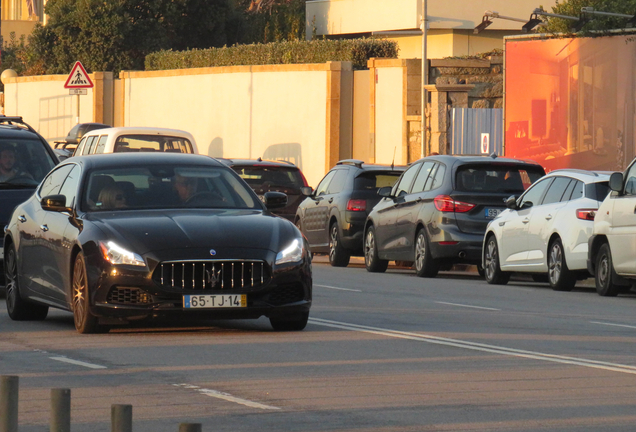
[[358, 163], [580, 171], [16, 119]]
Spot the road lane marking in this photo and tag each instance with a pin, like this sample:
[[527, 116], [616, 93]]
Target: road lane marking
[[227, 397], [78, 363], [467, 306], [337, 288], [615, 367], [614, 325]]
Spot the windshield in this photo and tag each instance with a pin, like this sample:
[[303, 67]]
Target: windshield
[[496, 178], [156, 187], [23, 163]]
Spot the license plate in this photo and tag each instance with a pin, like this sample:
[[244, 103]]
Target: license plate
[[492, 213], [209, 301]]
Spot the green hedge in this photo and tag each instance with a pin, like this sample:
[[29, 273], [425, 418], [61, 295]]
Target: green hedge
[[357, 51]]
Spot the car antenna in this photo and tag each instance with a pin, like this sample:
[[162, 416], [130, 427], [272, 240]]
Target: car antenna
[[393, 161], [260, 159], [493, 155]]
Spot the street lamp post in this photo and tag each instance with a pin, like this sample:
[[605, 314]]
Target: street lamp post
[[424, 78]]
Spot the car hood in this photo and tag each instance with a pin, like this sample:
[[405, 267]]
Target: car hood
[[10, 199], [158, 230]]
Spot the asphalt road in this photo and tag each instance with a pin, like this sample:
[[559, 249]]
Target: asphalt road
[[382, 353]]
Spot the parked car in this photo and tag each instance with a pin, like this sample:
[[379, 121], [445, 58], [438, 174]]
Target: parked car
[[136, 139], [332, 217], [436, 214], [612, 246], [277, 176], [545, 232], [126, 236], [64, 149], [25, 158]]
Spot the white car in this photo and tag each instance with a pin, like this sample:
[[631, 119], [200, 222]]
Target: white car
[[612, 247], [136, 139], [546, 230]]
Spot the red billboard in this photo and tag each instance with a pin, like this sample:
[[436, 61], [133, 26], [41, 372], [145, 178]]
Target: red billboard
[[570, 102]]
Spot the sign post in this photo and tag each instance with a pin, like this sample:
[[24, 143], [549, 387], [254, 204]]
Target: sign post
[[78, 83]]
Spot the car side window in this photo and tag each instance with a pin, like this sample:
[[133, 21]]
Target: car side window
[[69, 188], [404, 185], [533, 196], [53, 182], [630, 182], [101, 144], [568, 191], [439, 177], [322, 186], [556, 190], [88, 147], [422, 177], [337, 184], [80, 147], [579, 191]]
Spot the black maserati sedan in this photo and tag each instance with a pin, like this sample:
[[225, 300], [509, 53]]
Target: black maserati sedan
[[121, 237]]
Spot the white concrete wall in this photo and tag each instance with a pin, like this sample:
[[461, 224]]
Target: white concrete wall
[[389, 110], [45, 104], [273, 112]]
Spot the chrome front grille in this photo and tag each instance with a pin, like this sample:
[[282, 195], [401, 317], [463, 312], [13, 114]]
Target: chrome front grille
[[128, 295], [212, 274]]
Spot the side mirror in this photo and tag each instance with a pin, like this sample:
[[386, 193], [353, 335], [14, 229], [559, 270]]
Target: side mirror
[[616, 182], [274, 200], [306, 191], [511, 202], [56, 203], [385, 191]]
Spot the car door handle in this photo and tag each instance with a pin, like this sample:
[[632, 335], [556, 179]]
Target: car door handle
[[548, 217], [330, 200], [21, 218], [634, 210], [44, 228], [526, 220]]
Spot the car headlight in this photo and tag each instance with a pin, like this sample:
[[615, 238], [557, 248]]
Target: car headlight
[[115, 254], [292, 253]]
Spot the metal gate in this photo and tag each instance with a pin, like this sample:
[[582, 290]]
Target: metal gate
[[468, 125]]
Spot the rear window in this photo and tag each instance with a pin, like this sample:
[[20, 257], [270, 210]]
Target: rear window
[[597, 191], [376, 180], [152, 143], [262, 177], [496, 178]]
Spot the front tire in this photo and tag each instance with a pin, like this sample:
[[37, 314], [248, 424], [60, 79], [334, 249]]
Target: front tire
[[492, 269], [85, 322], [425, 265], [371, 260], [559, 275], [18, 308], [604, 273], [338, 256], [296, 323]]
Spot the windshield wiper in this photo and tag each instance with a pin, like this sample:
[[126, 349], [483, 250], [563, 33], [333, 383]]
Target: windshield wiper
[[17, 186]]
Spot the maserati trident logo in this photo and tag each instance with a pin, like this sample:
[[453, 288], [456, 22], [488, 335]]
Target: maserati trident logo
[[212, 252], [213, 277]]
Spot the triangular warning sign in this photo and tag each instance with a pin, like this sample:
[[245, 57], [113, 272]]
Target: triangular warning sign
[[78, 78]]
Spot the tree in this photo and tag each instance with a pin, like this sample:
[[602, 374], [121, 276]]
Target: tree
[[597, 23], [116, 35], [265, 21]]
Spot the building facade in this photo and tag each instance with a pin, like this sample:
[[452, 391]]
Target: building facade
[[20, 16]]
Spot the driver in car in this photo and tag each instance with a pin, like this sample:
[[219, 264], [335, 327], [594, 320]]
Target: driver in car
[[8, 164], [185, 187]]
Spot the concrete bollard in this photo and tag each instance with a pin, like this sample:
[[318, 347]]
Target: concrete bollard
[[60, 410], [190, 427], [9, 403], [121, 418]]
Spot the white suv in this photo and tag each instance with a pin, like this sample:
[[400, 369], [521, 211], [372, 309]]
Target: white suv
[[612, 247], [545, 232], [136, 139]]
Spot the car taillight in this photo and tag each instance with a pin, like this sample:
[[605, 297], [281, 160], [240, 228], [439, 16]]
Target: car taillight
[[586, 214], [357, 205], [445, 203]]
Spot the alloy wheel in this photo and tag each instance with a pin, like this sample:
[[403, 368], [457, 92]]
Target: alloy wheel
[[555, 265], [11, 275], [491, 259], [369, 248], [79, 293], [420, 252], [333, 241]]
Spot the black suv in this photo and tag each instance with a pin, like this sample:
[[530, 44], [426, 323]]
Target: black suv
[[436, 214], [332, 217], [25, 158], [272, 176]]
